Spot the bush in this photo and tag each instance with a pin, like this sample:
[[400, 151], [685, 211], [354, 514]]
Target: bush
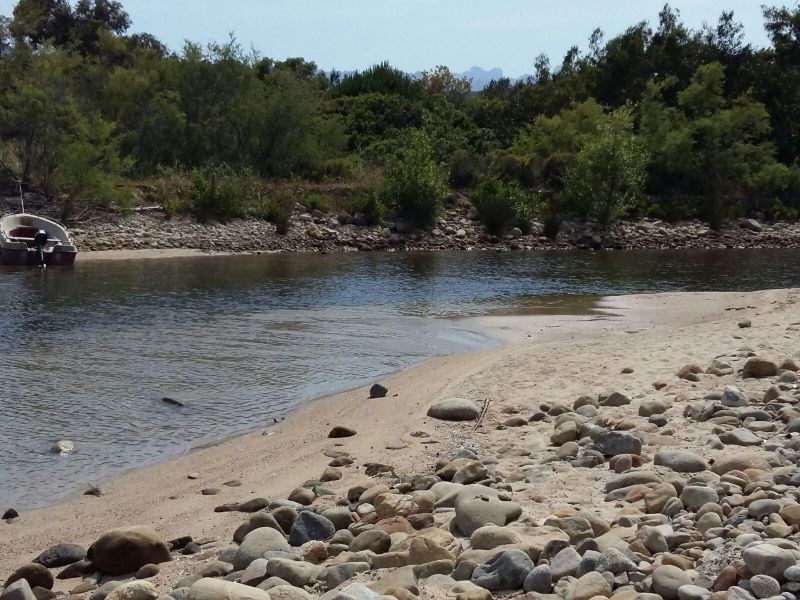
[[466, 168], [369, 204], [607, 176], [219, 194], [502, 205], [414, 182], [277, 210], [315, 202]]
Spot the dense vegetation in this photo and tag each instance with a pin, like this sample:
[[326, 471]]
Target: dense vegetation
[[661, 120]]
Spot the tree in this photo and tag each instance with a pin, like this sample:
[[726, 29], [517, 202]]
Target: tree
[[608, 173], [37, 21], [415, 183], [441, 81]]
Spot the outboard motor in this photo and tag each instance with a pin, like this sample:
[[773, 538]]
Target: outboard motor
[[39, 242]]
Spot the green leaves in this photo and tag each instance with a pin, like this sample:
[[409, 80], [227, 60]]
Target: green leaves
[[608, 173], [414, 182]]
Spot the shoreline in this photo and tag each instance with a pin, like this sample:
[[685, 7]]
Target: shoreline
[[162, 496]]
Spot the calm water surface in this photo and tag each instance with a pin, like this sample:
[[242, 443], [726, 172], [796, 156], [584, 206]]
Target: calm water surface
[[86, 354]]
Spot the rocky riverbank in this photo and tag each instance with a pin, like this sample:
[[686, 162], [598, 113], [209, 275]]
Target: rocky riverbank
[[652, 456], [458, 228]]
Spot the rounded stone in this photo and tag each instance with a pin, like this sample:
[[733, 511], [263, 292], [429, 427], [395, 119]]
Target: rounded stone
[[764, 586], [667, 579]]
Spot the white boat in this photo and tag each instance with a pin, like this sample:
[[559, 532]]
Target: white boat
[[32, 240]]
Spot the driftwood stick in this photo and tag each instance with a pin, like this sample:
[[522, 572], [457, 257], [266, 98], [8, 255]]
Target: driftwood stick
[[483, 414]]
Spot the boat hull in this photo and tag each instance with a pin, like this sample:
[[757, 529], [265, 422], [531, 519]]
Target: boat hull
[[28, 257]]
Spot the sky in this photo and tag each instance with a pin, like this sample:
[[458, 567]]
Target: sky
[[416, 35]]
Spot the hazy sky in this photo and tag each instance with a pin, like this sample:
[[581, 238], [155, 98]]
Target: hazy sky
[[415, 34]]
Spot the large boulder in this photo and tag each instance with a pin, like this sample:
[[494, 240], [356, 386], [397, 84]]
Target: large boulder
[[256, 543], [455, 409], [125, 550]]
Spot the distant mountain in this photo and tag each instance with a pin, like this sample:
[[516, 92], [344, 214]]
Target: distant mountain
[[480, 77]]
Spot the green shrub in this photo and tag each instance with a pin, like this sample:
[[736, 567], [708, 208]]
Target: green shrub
[[502, 205], [276, 209], [414, 182], [607, 176], [315, 202], [368, 203], [219, 194], [345, 168]]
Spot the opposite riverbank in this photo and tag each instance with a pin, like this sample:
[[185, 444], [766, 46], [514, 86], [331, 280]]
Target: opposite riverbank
[[458, 228], [548, 361]]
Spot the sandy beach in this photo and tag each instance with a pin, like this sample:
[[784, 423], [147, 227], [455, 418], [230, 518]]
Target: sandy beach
[[545, 359]]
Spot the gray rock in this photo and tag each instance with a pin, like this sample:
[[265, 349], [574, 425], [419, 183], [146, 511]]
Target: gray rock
[[649, 408], [565, 563], [792, 573], [539, 580], [259, 519], [61, 555], [614, 399], [491, 536], [589, 586], [614, 561], [505, 571], [766, 559], [375, 540], [667, 579], [19, 590], [340, 516], [612, 443], [356, 591], [288, 592], [296, 572], [256, 543], [477, 506], [338, 574], [763, 507], [693, 592], [733, 397], [694, 496], [454, 409], [134, 590], [680, 461], [740, 437], [104, 590], [218, 589], [764, 586], [310, 526]]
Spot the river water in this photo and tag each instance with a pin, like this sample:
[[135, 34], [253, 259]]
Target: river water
[[87, 353]]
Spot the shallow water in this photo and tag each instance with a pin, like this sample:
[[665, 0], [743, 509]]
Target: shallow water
[[86, 354]]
